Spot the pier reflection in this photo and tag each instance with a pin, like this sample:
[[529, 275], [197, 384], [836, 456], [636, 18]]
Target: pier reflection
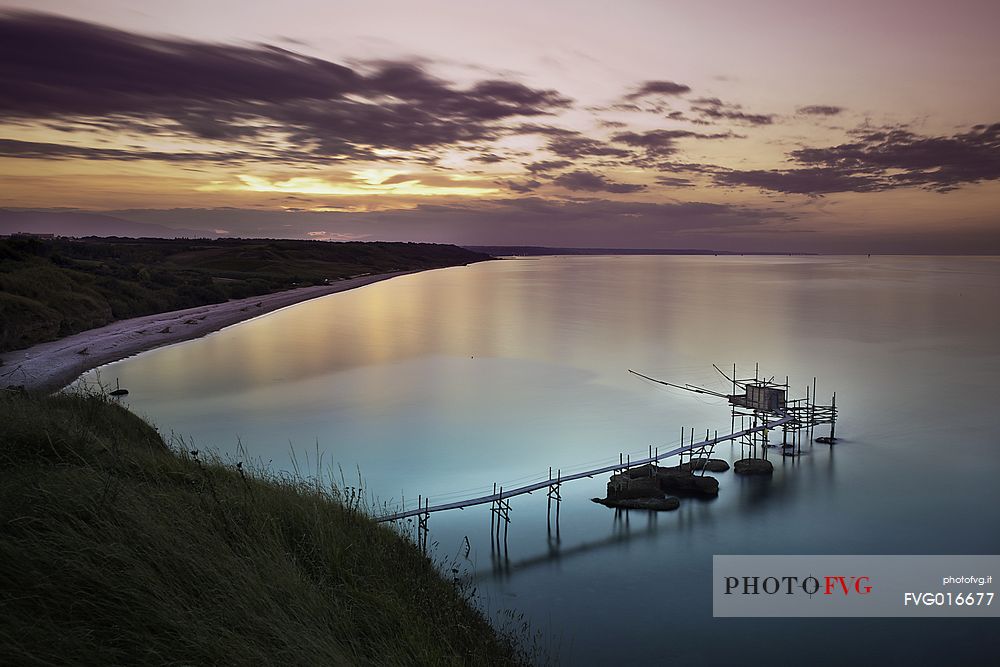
[[742, 499]]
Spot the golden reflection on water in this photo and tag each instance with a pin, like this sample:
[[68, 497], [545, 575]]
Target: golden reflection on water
[[450, 380], [419, 348]]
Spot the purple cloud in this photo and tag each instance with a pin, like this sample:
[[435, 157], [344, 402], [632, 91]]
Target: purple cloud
[[810, 181], [820, 110], [658, 88], [662, 142], [674, 181], [73, 73], [884, 159], [716, 109], [576, 146], [547, 165], [587, 181]]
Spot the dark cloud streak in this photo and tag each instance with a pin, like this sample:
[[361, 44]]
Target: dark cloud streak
[[810, 181], [884, 159], [36, 150], [663, 142], [587, 181], [820, 110], [578, 146], [60, 70], [547, 165], [716, 109], [658, 88]]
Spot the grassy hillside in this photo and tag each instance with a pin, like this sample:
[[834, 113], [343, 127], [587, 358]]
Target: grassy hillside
[[116, 550], [57, 287]]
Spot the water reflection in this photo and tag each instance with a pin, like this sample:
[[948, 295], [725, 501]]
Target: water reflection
[[742, 497], [452, 380]]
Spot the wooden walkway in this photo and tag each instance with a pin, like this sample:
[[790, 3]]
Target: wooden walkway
[[504, 494]]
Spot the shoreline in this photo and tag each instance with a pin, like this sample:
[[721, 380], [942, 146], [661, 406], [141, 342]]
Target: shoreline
[[51, 366]]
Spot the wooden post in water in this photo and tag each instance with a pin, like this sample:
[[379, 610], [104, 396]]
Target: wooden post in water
[[682, 445], [812, 421], [833, 416], [548, 510], [733, 411], [808, 416], [558, 498], [554, 493], [499, 506], [500, 516], [784, 427], [502, 510], [506, 525], [716, 437]]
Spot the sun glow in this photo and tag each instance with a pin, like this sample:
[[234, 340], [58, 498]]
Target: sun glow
[[377, 176], [368, 182]]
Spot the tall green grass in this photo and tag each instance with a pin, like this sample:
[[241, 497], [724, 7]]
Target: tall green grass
[[117, 549]]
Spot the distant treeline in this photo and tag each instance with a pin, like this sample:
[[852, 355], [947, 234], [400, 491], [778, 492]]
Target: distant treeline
[[50, 288]]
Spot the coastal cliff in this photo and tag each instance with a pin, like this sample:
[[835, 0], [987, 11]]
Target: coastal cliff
[[118, 549]]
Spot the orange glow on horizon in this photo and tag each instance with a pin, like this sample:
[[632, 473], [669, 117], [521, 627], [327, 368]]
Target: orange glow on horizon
[[368, 182]]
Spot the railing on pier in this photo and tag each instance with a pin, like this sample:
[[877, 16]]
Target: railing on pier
[[424, 509]]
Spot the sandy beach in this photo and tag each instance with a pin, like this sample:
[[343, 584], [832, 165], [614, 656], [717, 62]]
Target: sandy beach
[[53, 365]]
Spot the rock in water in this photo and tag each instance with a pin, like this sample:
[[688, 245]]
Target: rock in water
[[686, 483], [623, 487], [654, 482], [711, 465], [654, 504], [753, 467]]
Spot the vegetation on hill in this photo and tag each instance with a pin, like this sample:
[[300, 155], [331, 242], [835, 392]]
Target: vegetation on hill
[[114, 549], [50, 288]]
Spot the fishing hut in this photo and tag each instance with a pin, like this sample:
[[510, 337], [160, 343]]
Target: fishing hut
[[756, 400]]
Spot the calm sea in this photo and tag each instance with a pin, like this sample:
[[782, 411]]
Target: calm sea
[[444, 382]]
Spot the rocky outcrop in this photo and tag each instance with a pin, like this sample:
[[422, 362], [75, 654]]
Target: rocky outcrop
[[622, 487], [685, 483], [711, 465], [655, 504], [753, 467], [653, 482]]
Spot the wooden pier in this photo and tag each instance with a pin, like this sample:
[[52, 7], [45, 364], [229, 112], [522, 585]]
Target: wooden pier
[[764, 403], [553, 482]]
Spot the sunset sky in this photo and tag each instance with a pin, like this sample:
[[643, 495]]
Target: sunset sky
[[778, 125]]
